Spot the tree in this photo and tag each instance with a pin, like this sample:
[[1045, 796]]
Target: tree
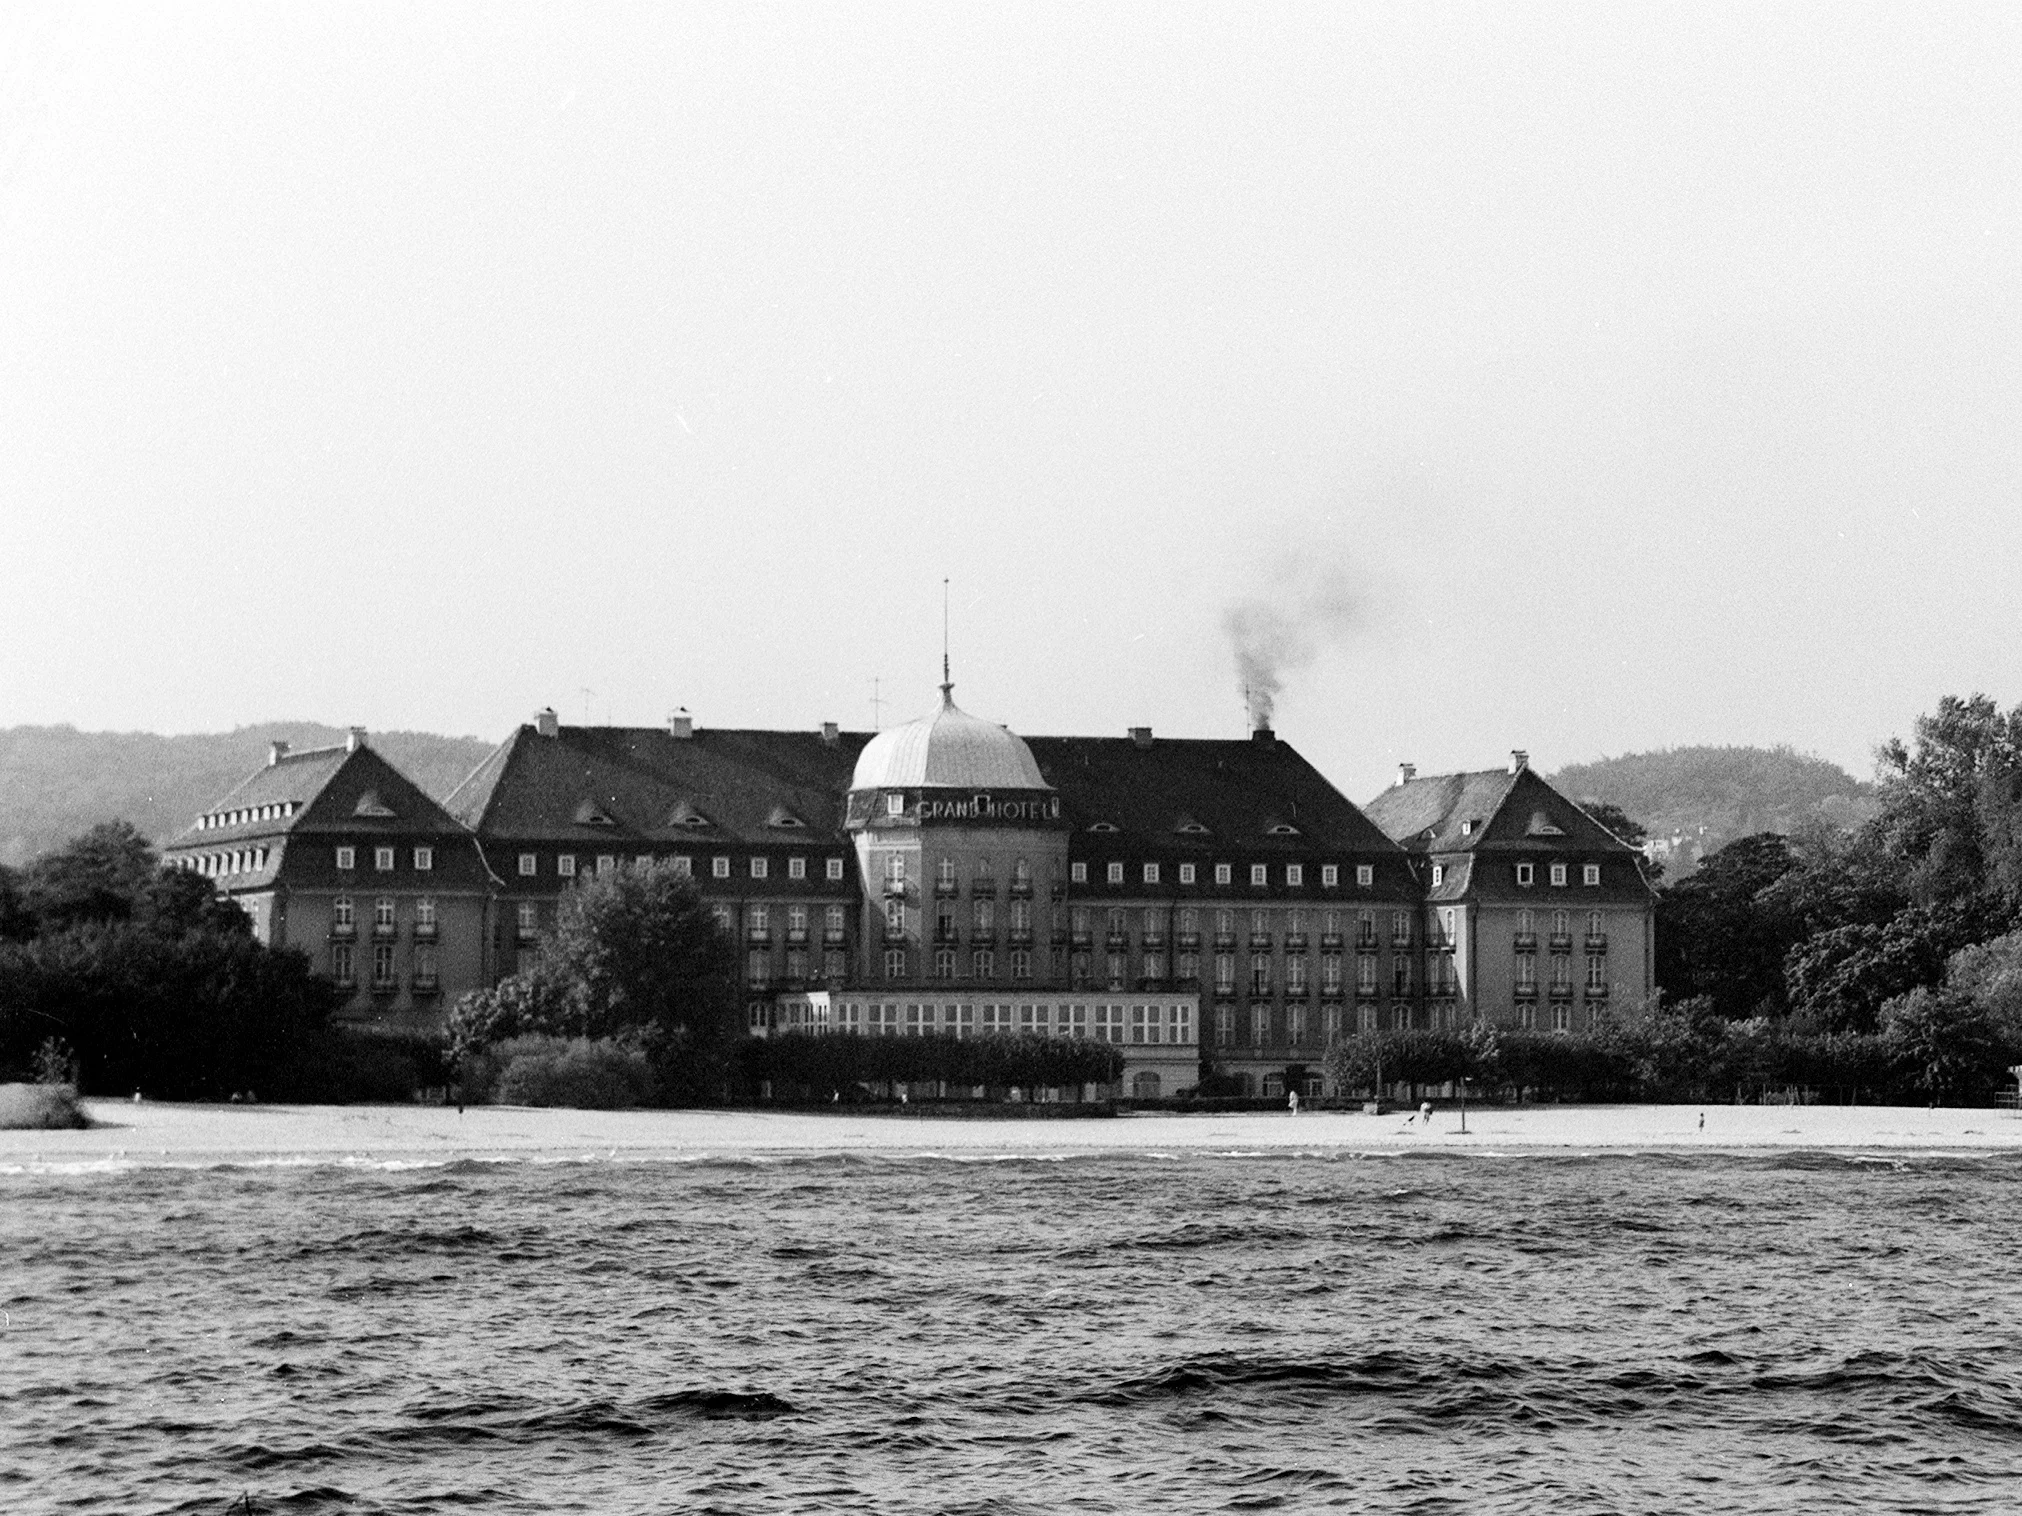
[[95, 877], [1936, 794], [1720, 936], [1944, 1044], [637, 956]]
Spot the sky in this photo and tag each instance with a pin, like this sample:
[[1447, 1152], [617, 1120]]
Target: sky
[[1585, 379]]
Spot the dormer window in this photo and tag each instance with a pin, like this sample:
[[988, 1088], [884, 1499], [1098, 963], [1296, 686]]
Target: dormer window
[[1438, 875], [1188, 827], [369, 804], [782, 817], [1282, 829], [1543, 826], [686, 815], [895, 805], [1526, 874], [1102, 826], [589, 813]]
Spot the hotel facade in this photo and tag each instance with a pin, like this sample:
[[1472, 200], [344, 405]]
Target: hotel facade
[[1210, 907]]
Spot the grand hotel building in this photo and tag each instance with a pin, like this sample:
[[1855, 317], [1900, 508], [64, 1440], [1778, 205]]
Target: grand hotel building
[[1202, 904]]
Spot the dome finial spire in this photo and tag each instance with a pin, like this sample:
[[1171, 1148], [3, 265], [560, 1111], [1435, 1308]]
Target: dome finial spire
[[947, 679]]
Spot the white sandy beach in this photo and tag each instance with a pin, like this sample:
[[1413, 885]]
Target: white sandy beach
[[213, 1133]]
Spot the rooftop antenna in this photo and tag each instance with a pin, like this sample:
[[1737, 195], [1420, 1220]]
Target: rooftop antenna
[[947, 680], [877, 709], [586, 692]]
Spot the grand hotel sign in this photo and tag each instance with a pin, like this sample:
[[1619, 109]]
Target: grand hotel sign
[[964, 807]]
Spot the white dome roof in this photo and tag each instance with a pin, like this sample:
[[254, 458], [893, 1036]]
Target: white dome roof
[[951, 750]]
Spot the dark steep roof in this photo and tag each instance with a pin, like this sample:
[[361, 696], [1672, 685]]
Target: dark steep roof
[[1508, 812], [1249, 795], [332, 789], [592, 784]]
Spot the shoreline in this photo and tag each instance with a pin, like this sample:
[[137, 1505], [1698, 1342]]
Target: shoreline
[[193, 1134]]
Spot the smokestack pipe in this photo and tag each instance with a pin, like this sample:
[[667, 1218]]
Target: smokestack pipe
[[681, 725], [546, 722], [830, 733], [1519, 760], [356, 740], [1406, 772], [276, 751]]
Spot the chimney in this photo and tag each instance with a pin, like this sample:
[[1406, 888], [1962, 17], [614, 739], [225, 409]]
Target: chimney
[[276, 751], [1264, 735], [1519, 760], [547, 723], [356, 740], [681, 725], [830, 734], [1406, 772], [1140, 736]]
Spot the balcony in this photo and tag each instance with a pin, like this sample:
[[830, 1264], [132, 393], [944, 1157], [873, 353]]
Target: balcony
[[526, 936], [1260, 989], [1332, 942], [1019, 936], [894, 935], [343, 931], [1151, 981], [1561, 942], [1152, 942], [1435, 943], [1057, 891], [1333, 991], [1082, 940], [1400, 941], [1021, 889], [1597, 992], [1526, 992], [385, 986], [946, 889], [384, 931], [1225, 942], [1526, 942], [758, 937], [1187, 942], [834, 937], [427, 984], [796, 936], [1367, 992], [424, 931], [760, 980], [1225, 991], [1597, 942], [1367, 944], [1260, 942], [1295, 942], [1186, 981], [895, 889], [1301, 991], [947, 935], [1444, 991], [983, 889], [1117, 942], [1562, 992], [1058, 936]]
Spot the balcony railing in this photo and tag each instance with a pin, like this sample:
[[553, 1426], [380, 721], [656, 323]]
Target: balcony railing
[[758, 937], [1018, 936], [427, 984], [895, 888], [1152, 942], [1021, 889], [384, 931], [1336, 991], [946, 935], [1527, 992], [1367, 992], [1224, 991], [1332, 942], [385, 986], [1083, 940], [526, 934], [758, 981], [1058, 936], [1526, 942], [834, 936], [1400, 940], [1562, 992], [1260, 942], [1597, 942], [1299, 991], [894, 934], [1225, 942], [1117, 942], [424, 931], [946, 889], [1561, 942], [343, 931], [1597, 992], [1187, 942], [796, 936], [1295, 942]]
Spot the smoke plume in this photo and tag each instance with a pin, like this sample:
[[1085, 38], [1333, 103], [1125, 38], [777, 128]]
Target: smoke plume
[[1311, 603]]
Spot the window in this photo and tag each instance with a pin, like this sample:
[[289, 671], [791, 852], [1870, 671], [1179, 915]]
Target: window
[[1116, 873], [1365, 874], [796, 868], [565, 865], [529, 918], [1295, 974], [895, 868], [895, 917], [1593, 923], [1562, 1018], [759, 920], [1526, 874], [1295, 873], [758, 867], [895, 805], [984, 963], [684, 866], [1116, 966], [1078, 873], [1260, 875], [1151, 873], [341, 911], [895, 963], [1438, 875], [424, 912], [341, 968], [1186, 873], [1260, 973], [1365, 973], [1365, 929], [834, 870], [1021, 963], [1260, 1027], [1330, 875], [1526, 971], [944, 963], [607, 863], [382, 966], [1590, 874], [1223, 873], [983, 915], [1330, 972], [347, 858], [1225, 972], [382, 913], [1558, 874], [424, 860], [529, 865], [719, 867], [382, 860], [944, 874], [721, 915]]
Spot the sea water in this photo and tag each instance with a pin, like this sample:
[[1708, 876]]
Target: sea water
[[1200, 1332]]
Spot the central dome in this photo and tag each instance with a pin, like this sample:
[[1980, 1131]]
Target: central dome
[[948, 750]]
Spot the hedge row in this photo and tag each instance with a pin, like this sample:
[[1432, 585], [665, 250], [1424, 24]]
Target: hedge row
[[822, 1064]]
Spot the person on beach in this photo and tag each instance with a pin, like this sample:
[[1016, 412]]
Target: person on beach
[[1292, 1102], [1425, 1113]]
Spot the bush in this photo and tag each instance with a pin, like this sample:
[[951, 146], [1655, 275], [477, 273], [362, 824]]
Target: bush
[[40, 1108], [354, 1068], [601, 1075], [817, 1065]]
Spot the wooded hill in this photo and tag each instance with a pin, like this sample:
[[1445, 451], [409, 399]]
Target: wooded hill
[[56, 782], [1730, 791]]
